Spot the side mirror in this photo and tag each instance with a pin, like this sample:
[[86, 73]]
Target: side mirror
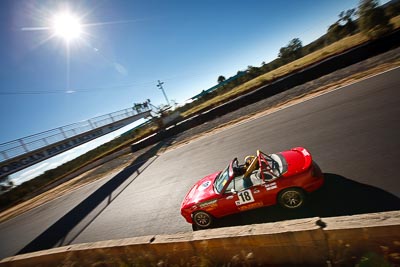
[[233, 191]]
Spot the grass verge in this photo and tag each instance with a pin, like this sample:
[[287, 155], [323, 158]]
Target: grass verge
[[301, 63]]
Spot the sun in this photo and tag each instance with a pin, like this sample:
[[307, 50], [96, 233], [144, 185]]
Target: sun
[[67, 26]]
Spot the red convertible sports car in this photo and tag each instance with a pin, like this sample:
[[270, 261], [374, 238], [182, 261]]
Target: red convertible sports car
[[263, 180]]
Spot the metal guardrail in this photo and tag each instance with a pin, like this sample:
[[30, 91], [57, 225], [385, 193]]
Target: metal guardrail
[[30, 143]]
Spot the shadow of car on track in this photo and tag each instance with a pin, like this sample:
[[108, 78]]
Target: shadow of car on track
[[338, 196], [74, 220]]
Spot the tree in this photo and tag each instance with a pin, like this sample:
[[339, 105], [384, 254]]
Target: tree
[[221, 79], [334, 33], [373, 22], [4, 179], [253, 71], [315, 45], [346, 20], [393, 9], [5, 183], [292, 51], [343, 27]]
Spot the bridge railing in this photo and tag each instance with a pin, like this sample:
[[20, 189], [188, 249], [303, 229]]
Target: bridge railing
[[30, 143]]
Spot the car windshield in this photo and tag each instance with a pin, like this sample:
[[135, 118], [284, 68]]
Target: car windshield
[[221, 180]]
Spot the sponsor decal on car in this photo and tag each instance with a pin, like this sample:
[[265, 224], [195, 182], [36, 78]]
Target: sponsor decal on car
[[204, 185], [209, 205], [271, 186], [251, 206], [305, 152], [244, 197]]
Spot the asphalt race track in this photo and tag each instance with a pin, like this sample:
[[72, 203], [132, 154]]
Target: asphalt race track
[[353, 133]]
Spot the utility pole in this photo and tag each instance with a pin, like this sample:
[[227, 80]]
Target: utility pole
[[159, 85]]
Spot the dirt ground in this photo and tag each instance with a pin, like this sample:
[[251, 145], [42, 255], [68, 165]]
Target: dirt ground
[[280, 101]]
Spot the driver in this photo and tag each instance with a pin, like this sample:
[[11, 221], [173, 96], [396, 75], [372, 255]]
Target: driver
[[248, 160], [241, 169], [246, 180]]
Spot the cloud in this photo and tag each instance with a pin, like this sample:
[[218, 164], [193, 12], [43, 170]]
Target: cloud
[[121, 69], [37, 169], [31, 172], [67, 157]]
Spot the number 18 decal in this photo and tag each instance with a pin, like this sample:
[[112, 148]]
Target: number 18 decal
[[245, 197]]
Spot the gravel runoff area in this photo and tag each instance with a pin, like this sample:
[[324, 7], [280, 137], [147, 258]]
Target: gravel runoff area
[[296, 94]]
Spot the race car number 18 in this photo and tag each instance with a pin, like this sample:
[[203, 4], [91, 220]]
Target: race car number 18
[[245, 197]]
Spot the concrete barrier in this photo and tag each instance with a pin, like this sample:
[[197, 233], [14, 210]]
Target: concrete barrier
[[352, 239], [313, 241]]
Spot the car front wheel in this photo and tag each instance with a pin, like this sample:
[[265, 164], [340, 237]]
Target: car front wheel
[[201, 220], [291, 198]]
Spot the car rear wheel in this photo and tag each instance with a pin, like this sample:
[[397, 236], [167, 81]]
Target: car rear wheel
[[201, 220], [291, 198]]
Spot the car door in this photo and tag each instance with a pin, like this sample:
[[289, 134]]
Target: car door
[[250, 198], [241, 200], [226, 204], [270, 192], [227, 201]]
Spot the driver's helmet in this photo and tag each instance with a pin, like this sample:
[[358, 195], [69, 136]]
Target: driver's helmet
[[248, 160]]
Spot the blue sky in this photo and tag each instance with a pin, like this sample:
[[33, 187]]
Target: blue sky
[[128, 45]]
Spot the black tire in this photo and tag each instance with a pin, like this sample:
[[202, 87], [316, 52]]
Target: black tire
[[291, 198], [201, 220]]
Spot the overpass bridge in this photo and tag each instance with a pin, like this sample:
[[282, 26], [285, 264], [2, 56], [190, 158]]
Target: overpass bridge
[[24, 152]]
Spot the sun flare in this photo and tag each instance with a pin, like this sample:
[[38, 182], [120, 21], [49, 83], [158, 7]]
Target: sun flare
[[67, 26]]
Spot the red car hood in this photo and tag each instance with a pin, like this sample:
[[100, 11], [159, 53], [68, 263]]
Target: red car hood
[[298, 160], [203, 190]]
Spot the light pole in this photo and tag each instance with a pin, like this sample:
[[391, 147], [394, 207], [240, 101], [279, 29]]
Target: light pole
[[159, 85]]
